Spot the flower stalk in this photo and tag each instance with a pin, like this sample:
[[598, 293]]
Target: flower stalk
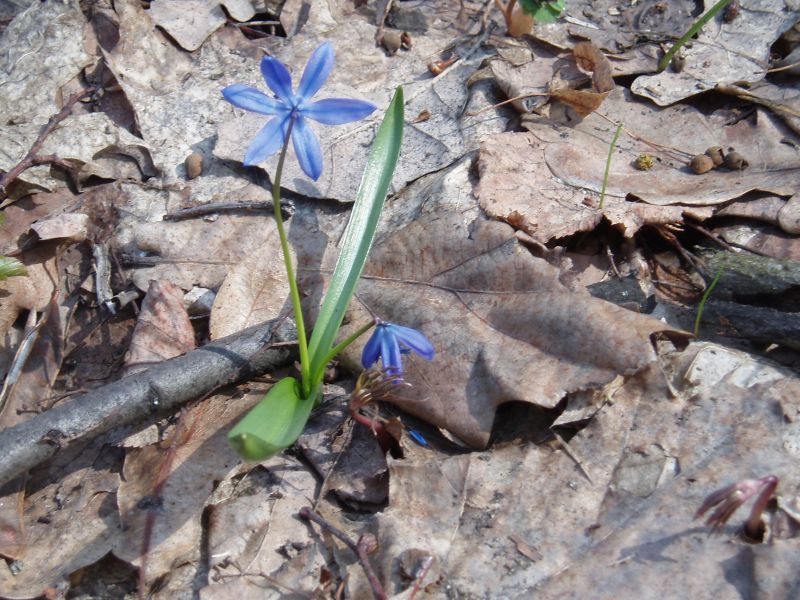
[[294, 292]]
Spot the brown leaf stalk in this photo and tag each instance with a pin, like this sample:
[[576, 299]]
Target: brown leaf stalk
[[360, 548]]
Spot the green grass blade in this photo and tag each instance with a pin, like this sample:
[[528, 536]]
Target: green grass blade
[[691, 33], [359, 235]]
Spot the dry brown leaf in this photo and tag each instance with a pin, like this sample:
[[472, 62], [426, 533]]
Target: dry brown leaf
[[255, 529], [591, 59], [188, 22], [163, 329], [71, 521], [71, 227], [13, 540], [194, 454], [503, 326], [31, 292], [652, 456], [783, 100], [723, 53], [255, 289], [517, 186]]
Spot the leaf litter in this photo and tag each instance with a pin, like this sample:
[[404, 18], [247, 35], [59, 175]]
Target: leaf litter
[[568, 445]]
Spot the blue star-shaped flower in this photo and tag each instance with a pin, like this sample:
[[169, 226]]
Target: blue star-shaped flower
[[389, 341], [286, 106]]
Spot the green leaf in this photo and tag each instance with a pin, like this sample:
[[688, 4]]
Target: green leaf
[[359, 235], [273, 424], [543, 12], [11, 267]]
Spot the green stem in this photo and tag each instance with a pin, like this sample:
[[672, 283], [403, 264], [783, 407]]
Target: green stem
[[342, 345], [703, 301], [287, 259], [689, 34], [608, 166]]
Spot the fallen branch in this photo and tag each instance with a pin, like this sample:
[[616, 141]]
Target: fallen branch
[[160, 389], [33, 158]]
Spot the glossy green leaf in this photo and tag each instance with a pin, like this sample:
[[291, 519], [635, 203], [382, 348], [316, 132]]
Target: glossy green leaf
[[359, 235], [273, 424], [11, 267]]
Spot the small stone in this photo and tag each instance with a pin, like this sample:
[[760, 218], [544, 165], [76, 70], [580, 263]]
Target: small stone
[[701, 164], [716, 154], [735, 161], [194, 165]]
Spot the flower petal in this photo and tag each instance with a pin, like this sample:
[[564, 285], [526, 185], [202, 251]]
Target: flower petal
[[306, 147], [278, 79], [372, 349], [317, 69], [414, 340], [249, 98], [390, 353], [268, 141], [336, 111]]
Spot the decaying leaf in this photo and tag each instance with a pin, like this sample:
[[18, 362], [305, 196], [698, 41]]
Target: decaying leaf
[[783, 100], [70, 523], [723, 53], [188, 22], [652, 456], [255, 289], [163, 330], [168, 484], [503, 326], [590, 59], [68, 226]]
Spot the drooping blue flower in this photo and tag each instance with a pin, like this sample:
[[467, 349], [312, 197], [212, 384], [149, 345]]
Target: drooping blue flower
[[285, 106], [389, 341]]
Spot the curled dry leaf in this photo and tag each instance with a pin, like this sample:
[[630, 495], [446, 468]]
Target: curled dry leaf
[[503, 326], [589, 59]]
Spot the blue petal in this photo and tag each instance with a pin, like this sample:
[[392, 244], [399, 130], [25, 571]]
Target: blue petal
[[248, 98], [336, 111], [306, 147], [268, 141], [413, 339], [390, 353], [278, 79], [372, 349], [317, 69]]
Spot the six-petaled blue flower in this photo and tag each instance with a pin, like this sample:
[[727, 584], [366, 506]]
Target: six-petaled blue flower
[[389, 342], [286, 106]]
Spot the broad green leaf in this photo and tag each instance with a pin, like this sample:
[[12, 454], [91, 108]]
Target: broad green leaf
[[359, 235], [11, 267], [543, 11], [274, 423]]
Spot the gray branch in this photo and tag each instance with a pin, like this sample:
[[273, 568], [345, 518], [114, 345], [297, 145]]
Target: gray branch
[[158, 390]]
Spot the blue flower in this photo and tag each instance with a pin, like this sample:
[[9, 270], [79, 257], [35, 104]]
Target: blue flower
[[389, 342], [286, 106]]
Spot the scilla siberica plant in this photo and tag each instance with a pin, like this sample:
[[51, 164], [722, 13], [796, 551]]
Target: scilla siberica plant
[[279, 418]]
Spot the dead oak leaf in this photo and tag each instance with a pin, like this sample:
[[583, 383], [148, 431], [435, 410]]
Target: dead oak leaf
[[504, 327]]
